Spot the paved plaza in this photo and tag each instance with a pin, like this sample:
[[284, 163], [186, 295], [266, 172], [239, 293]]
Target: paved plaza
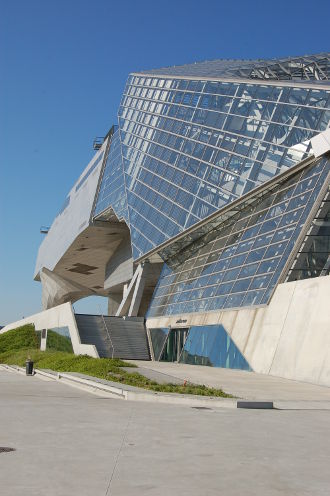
[[240, 383], [71, 442]]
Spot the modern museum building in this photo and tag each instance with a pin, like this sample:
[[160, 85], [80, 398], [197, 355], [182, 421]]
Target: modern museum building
[[204, 218]]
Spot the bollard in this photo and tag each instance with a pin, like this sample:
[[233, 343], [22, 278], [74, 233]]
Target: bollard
[[29, 367]]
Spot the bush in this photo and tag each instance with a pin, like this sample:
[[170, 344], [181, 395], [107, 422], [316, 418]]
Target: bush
[[16, 339]]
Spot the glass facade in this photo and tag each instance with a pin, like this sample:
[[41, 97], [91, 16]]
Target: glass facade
[[199, 345], [239, 263], [174, 345], [112, 188], [187, 146], [313, 258], [212, 346], [191, 147], [158, 338]]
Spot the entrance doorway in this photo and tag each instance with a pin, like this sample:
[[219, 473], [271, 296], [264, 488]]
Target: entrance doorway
[[174, 344]]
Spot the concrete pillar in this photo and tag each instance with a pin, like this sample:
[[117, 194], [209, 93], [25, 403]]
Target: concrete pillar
[[132, 294], [114, 300], [43, 340], [138, 291]]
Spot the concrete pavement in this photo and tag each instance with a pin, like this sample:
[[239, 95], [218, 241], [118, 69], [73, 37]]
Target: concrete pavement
[[69, 442], [247, 385]]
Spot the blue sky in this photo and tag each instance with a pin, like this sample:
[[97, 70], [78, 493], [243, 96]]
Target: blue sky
[[63, 66]]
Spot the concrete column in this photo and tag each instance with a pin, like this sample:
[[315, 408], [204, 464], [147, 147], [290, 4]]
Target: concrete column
[[43, 340], [138, 292], [114, 300], [133, 293]]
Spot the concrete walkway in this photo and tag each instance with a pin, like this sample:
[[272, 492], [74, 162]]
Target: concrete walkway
[[247, 385], [72, 443]]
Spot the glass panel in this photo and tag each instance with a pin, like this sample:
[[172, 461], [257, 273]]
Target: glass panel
[[59, 339], [313, 258], [227, 136], [158, 338], [212, 346], [237, 257], [174, 344], [112, 192]]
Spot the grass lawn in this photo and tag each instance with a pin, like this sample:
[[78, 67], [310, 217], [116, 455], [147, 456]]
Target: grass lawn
[[18, 344]]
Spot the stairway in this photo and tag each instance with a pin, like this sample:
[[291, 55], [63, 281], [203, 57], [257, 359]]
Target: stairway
[[128, 336]]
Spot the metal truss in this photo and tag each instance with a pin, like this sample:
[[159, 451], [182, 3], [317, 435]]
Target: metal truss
[[313, 68]]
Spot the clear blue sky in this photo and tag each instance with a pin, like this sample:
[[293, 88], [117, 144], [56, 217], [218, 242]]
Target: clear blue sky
[[63, 66]]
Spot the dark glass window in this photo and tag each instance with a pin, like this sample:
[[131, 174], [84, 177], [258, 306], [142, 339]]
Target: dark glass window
[[158, 338], [212, 346]]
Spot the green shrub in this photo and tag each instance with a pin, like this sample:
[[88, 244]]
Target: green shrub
[[21, 337]]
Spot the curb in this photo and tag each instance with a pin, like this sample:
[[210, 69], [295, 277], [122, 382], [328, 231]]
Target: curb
[[119, 392], [139, 394], [128, 395]]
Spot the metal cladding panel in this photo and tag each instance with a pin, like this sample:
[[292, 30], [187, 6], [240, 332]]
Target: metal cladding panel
[[74, 216]]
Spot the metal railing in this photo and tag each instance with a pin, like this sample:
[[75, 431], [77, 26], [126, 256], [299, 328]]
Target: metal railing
[[108, 334], [98, 142]]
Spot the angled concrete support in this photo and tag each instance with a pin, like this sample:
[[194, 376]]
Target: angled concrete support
[[138, 292], [57, 290], [133, 294]]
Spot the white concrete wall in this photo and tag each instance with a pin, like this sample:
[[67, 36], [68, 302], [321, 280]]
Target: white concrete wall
[[73, 220], [60, 316], [288, 338]]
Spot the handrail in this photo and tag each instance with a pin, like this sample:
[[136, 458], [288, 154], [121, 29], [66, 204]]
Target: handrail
[[106, 328]]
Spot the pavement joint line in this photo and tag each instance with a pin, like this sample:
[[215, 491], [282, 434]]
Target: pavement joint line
[[120, 450]]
